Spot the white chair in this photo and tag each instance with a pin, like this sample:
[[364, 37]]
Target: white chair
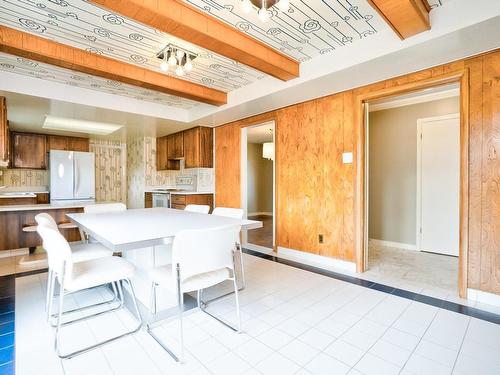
[[235, 213], [101, 208], [200, 259], [74, 277], [79, 253], [200, 208]]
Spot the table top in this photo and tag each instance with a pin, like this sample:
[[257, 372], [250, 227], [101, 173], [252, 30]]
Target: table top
[[144, 227]]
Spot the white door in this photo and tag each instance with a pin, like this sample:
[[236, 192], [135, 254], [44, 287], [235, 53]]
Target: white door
[[84, 171], [61, 175], [439, 184]]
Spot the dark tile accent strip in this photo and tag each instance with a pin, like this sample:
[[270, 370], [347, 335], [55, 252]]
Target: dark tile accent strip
[[432, 301], [7, 324]]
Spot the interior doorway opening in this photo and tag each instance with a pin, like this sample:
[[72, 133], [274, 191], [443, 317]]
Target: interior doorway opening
[[258, 184], [412, 186]]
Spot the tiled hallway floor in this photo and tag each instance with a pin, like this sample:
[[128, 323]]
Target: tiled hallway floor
[[294, 322]]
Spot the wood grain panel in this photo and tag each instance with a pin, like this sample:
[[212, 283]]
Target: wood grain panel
[[490, 194], [405, 17], [302, 162], [227, 166], [4, 131], [32, 47], [190, 24], [29, 150]]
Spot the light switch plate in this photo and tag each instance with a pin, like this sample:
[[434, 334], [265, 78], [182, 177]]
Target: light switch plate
[[347, 157]]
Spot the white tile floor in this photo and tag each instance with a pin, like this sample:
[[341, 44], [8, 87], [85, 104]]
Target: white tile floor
[[294, 322]]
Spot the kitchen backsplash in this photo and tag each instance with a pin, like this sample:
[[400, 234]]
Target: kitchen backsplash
[[153, 178], [32, 179]]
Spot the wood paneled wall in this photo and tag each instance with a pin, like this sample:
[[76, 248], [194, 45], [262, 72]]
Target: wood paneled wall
[[317, 194]]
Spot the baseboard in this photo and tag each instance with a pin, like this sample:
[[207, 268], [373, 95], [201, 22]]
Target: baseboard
[[260, 249], [260, 214], [399, 245], [314, 260], [483, 297]]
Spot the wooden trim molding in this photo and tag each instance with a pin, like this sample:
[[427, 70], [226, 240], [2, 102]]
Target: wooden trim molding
[[405, 17], [462, 77], [32, 47], [192, 25]]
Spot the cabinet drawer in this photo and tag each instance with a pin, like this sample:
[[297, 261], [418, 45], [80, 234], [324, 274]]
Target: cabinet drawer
[[178, 206], [178, 199]]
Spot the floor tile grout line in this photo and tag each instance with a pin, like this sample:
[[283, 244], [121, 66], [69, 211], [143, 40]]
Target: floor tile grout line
[[461, 345], [443, 304]]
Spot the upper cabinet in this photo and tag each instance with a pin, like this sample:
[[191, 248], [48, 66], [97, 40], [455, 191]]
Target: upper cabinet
[[4, 133], [58, 142], [194, 145], [198, 148], [29, 151]]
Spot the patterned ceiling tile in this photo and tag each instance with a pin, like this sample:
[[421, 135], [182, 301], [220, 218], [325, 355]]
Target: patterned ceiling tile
[[309, 28], [84, 25], [19, 65], [436, 3]]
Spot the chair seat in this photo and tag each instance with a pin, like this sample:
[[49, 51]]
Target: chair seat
[[67, 226], [87, 251], [30, 228], [95, 272], [164, 278]]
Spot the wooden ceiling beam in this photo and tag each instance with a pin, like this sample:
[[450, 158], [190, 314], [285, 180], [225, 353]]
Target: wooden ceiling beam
[[192, 25], [32, 47], [405, 17]]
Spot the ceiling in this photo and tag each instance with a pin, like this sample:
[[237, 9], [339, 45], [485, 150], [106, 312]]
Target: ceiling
[[83, 25], [261, 133], [307, 30], [31, 68], [27, 113]]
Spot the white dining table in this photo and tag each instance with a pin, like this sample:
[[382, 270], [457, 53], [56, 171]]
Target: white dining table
[[146, 227], [141, 235]]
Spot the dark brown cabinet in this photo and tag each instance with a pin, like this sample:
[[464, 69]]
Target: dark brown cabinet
[[148, 199], [28, 151], [180, 201], [4, 132], [198, 148], [58, 142], [161, 154], [194, 145]]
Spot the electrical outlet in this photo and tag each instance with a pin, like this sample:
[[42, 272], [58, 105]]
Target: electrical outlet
[[320, 238]]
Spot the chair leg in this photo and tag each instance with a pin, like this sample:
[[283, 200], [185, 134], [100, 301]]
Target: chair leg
[[237, 303], [59, 317], [152, 301], [180, 303], [198, 298], [50, 294], [242, 267]]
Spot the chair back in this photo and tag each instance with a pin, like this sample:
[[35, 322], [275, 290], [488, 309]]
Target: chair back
[[58, 250], [47, 220], [104, 207], [199, 251], [235, 213], [200, 208]]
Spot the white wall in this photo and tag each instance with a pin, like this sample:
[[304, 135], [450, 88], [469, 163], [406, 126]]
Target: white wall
[[393, 168]]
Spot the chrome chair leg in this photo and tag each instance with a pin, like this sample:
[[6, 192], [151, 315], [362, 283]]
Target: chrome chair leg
[[60, 325]]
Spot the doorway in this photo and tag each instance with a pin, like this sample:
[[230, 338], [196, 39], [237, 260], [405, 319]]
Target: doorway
[[413, 190], [258, 184]]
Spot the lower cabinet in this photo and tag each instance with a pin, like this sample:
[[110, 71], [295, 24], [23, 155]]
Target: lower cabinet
[[148, 200], [180, 201]]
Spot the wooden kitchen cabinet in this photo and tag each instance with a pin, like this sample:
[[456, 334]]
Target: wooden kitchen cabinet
[[28, 150], [180, 201], [58, 142], [198, 147], [148, 199], [4, 132], [175, 146], [161, 154]]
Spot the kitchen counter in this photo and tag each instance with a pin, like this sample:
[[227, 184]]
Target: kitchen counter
[[190, 192], [41, 207]]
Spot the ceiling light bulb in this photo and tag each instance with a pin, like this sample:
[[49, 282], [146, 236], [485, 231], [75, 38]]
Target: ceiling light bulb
[[264, 15], [164, 65], [180, 71], [179, 54], [247, 6], [188, 66], [284, 5], [172, 60]]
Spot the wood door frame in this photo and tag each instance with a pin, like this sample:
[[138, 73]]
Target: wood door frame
[[461, 77], [420, 122], [243, 168]]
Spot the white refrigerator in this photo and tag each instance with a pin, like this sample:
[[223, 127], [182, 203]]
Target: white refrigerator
[[72, 176]]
